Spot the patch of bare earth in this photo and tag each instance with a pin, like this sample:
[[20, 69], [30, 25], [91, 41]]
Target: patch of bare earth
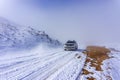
[[95, 56]]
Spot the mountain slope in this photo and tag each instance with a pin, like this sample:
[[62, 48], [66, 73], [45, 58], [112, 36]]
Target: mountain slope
[[13, 35]]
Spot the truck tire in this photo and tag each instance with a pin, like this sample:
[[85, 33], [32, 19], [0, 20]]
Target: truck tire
[[65, 49]]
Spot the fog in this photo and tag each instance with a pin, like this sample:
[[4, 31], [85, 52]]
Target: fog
[[88, 22]]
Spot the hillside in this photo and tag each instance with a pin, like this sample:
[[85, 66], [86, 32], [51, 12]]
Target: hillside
[[16, 36]]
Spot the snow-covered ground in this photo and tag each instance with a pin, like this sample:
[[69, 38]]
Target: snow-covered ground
[[110, 68], [115, 65], [41, 65], [54, 64]]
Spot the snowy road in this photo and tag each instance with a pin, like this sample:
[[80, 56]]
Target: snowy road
[[62, 65]]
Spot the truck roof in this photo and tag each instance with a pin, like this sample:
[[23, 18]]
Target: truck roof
[[70, 41]]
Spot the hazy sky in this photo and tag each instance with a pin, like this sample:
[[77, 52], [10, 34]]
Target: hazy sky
[[87, 21]]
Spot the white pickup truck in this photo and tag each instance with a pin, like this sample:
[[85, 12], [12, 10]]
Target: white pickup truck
[[71, 45]]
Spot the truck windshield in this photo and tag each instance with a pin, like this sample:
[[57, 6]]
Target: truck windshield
[[69, 44]]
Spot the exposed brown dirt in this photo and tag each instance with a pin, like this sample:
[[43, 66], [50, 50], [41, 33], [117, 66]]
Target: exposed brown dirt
[[95, 56], [86, 72], [97, 52], [98, 55], [91, 78]]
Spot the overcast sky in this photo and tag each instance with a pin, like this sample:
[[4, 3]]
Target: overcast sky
[[87, 21]]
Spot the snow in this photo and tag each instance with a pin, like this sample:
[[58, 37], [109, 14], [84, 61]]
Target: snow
[[47, 63], [110, 68], [115, 65], [40, 67], [70, 71], [42, 61]]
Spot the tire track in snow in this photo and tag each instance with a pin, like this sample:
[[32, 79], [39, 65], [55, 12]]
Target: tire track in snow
[[80, 71], [55, 67], [22, 70], [70, 71], [19, 63], [10, 65], [43, 68], [9, 62], [21, 57], [25, 65]]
